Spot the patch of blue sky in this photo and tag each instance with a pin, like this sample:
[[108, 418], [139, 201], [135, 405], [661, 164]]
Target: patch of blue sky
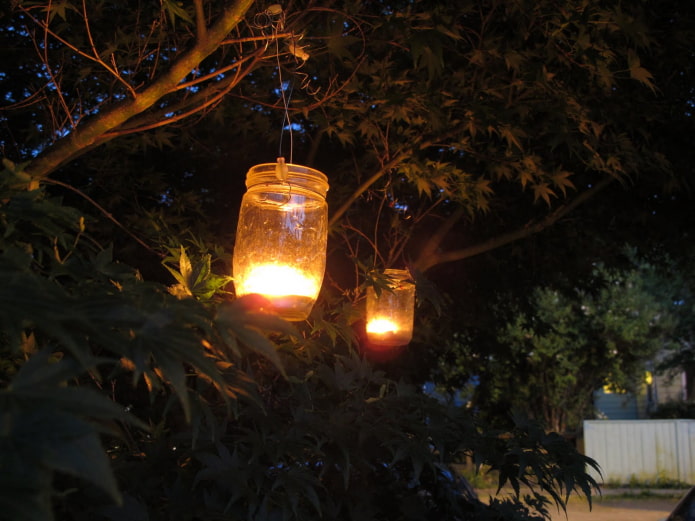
[[294, 127]]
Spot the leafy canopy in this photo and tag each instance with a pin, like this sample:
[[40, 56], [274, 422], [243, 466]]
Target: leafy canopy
[[548, 354]]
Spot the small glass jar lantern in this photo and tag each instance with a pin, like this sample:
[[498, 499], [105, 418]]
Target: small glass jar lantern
[[280, 248], [390, 314]]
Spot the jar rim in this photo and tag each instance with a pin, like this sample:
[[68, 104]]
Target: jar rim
[[299, 175], [395, 272], [399, 276]]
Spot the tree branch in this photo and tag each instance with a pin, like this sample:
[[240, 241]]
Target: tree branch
[[202, 100], [94, 129], [200, 26], [430, 258], [432, 245], [364, 187], [95, 58], [106, 213]]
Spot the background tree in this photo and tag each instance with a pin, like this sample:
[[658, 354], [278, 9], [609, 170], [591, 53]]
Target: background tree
[[548, 355], [681, 357]]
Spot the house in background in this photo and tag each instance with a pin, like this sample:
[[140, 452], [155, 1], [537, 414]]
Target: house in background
[[630, 445], [656, 390]]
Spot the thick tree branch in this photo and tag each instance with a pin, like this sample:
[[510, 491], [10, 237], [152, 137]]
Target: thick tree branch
[[201, 101], [432, 245], [200, 26], [430, 257], [94, 129]]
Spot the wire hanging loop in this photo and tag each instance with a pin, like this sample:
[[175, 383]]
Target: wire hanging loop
[[281, 170], [273, 19]]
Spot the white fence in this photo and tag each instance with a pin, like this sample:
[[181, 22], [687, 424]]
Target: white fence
[[642, 450]]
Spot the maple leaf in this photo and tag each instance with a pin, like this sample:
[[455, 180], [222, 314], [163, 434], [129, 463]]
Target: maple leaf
[[639, 73], [543, 191], [482, 186], [511, 136], [525, 178], [561, 179], [423, 186]]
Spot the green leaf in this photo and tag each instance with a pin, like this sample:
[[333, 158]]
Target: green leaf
[[58, 9], [25, 491], [43, 381], [41, 438], [240, 320], [339, 44], [423, 186], [73, 447], [427, 50], [175, 374], [194, 277], [130, 510], [639, 73], [38, 372], [543, 191], [175, 10], [185, 267], [512, 136]]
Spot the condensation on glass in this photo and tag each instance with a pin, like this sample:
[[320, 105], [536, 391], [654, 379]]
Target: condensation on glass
[[280, 247]]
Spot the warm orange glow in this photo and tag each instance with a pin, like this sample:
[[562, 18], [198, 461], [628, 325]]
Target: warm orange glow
[[276, 280], [386, 332], [389, 315], [381, 325], [280, 244]]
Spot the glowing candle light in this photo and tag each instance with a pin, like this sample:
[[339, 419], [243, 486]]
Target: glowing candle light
[[280, 249], [381, 326], [274, 280], [291, 293], [390, 314]]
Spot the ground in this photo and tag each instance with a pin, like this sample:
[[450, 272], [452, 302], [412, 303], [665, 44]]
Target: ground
[[619, 508], [616, 505]]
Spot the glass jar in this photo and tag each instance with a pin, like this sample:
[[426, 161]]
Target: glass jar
[[390, 314], [280, 247]]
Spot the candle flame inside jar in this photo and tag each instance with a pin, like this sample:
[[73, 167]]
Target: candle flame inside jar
[[387, 333], [381, 325], [274, 280]]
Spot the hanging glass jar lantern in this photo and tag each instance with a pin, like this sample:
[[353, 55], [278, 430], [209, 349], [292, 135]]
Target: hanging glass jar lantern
[[390, 314], [280, 248]]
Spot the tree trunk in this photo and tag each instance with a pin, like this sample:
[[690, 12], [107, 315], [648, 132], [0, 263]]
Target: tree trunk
[[95, 131]]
